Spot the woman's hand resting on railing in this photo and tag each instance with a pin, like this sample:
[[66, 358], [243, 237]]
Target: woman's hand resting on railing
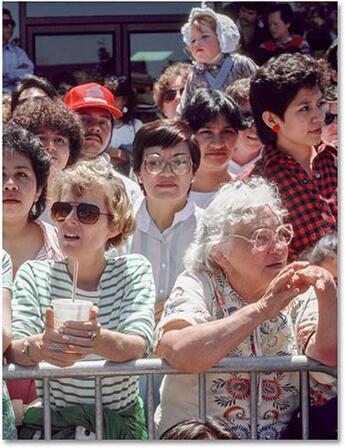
[[71, 342]]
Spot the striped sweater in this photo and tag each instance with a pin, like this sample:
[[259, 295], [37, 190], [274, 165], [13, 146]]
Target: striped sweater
[[125, 298]]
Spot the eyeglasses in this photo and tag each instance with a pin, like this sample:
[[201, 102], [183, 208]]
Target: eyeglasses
[[329, 118], [86, 213], [8, 22], [170, 94], [179, 164], [262, 239], [248, 120]]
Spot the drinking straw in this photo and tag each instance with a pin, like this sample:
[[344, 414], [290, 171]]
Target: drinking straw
[[75, 278]]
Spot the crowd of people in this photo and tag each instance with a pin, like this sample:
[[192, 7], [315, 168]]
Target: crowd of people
[[209, 232]]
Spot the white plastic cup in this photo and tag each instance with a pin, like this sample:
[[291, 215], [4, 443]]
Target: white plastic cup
[[65, 309]]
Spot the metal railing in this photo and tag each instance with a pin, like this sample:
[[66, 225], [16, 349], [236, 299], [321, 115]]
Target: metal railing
[[149, 367]]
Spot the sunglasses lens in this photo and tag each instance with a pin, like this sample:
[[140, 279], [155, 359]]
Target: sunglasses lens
[[88, 213], [330, 118], [169, 95], [7, 23], [60, 210]]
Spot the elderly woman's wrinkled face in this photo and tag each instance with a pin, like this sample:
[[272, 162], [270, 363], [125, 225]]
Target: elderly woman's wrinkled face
[[245, 263], [217, 141]]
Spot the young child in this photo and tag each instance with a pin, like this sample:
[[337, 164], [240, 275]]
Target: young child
[[211, 38], [248, 146]]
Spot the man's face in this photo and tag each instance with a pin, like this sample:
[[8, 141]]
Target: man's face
[[97, 127], [7, 29], [248, 17]]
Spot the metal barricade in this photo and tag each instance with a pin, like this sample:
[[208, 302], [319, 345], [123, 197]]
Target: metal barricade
[[149, 367]]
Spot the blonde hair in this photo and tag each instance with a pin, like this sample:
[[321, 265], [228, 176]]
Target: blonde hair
[[207, 20], [91, 175]]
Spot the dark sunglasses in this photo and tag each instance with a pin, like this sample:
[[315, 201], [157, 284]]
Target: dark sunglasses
[[7, 22], [86, 213], [329, 118], [170, 94], [248, 120]]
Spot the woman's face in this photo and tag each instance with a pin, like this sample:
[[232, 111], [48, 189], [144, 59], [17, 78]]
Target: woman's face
[[84, 241], [278, 28], [330, 131], [57, 145], [244, 263], [30, 93], [303, 119], [166, 185], [175, 87], [19, 188], [217, 140]]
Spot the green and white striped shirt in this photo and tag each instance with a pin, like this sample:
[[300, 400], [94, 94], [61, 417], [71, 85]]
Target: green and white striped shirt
[[125, 298]]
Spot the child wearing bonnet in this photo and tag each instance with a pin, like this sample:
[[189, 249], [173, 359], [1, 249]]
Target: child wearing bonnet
[[211, 39]]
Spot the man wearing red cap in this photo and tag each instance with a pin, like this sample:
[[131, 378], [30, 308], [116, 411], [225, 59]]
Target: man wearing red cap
[[96, 106]]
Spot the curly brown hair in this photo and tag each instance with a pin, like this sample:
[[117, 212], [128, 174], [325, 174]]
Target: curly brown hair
[[52, 114], [168, 76]]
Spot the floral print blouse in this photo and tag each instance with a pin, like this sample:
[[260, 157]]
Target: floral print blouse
[[203, 297]]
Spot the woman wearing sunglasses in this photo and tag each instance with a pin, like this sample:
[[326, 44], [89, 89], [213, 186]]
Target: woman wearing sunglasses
[[330, 127], [167, 90], [92, 213], [215, 120], [238, 297]]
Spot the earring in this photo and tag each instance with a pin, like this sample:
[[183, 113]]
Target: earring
[[125, 109], [276, 128]]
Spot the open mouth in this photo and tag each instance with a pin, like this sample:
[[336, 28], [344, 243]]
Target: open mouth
[[71, 236], [316, 131]]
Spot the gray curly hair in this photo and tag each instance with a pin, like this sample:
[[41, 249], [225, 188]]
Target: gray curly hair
[[236, 203]]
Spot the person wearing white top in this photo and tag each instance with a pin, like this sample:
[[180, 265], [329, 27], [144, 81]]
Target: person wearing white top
[[248, 146], [215, 120], [165, 159], [120, 148]]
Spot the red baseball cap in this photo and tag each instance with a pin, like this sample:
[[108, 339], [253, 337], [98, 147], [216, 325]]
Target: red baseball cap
[[91, 95]]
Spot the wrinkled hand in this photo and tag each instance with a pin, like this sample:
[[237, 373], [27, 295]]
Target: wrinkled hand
[[282, 289], [318, 277], [82, 336], [56, 348]]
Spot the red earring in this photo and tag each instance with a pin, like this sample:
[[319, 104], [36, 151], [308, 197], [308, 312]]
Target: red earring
[[276, 128]]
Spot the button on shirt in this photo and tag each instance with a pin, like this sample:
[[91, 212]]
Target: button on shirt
[[14, 57], [165, 250], [312, 203]]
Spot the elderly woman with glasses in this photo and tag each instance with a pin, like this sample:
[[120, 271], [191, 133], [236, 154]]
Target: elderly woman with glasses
[[92, 213], [238, 297]]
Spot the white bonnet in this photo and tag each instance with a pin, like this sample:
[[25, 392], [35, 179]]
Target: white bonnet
[[227, 31]]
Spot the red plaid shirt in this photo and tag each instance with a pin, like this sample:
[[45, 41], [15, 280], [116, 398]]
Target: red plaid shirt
[[312, 203]]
